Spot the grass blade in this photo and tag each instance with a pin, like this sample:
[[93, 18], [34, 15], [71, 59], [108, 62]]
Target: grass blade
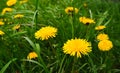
[[32, 61], [30, 42], [6, 66]]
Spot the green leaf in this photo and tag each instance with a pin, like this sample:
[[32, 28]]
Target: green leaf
[[37, 49], [6, 66], [116, 70], [100, 21], [32, 61], [30, 42], [82, 66], [19, 33], [107, 22]]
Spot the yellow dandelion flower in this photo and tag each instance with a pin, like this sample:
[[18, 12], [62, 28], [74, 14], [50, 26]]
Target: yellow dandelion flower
[[16, 27], [1, 19], [105, 45], [100, 27], [23, 1], [77, 47], [11, 2], [1, 23], [102, 36], [6, 10], [19, 16], [85, 5], [69, 10], [45, 33], [85, 20], [1, 33], [32, 55]]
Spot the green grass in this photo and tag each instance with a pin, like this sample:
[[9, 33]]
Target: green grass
[[51, 59]]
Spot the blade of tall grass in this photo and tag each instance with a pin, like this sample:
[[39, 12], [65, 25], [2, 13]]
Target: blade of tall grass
[[93, 66], [36, 48], [82, 66], [7, 65], [30, 42], [102, 18], [36, 13], [32, 61], [61, 64], [116, 70], [107, 22], [18, 33]]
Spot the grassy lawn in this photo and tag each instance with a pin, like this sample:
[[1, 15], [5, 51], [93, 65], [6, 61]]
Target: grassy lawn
[[59, 36]]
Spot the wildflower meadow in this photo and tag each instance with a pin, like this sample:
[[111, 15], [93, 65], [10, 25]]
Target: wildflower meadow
[[59, 36]]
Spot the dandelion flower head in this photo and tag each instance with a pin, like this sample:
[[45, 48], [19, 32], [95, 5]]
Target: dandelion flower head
[[1, 19], [100, 27], [23, 1], [85, 5], [32, 55], [105, 45], [19, 16], [46, 32], [6, 10], [11, 2], [16, 27], [1, 23], [102, 36], [85, 20], [77, 47], [70, 10], [1, 33]]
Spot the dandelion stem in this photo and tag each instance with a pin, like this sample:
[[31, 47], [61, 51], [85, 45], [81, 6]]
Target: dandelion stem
[[72, 19], [36, 10], [73, 66], [52, 48], [72, 27], [61, 64], [87, 32]]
